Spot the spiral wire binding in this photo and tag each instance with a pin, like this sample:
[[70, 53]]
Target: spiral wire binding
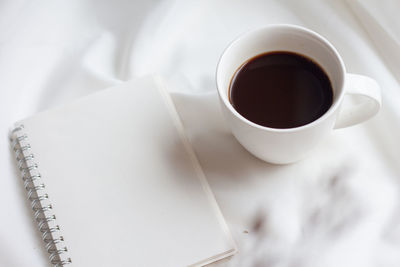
[[42, 208]]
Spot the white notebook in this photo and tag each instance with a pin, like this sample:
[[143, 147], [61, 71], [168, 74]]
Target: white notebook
[[113, 181]]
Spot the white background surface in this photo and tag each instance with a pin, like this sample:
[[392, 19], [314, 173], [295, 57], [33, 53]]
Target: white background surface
[[54, 51]]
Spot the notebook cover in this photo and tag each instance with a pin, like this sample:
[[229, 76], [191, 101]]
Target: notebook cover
[[124, 184]]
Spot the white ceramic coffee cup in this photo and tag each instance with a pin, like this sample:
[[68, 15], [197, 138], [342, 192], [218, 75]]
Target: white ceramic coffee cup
[[282, 146]]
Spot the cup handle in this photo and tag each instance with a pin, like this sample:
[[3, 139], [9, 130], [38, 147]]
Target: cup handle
[[366, 94]]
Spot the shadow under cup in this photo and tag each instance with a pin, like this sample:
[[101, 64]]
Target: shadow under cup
[[256, 138]]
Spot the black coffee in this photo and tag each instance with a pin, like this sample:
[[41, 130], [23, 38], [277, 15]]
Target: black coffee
[[281, 90]]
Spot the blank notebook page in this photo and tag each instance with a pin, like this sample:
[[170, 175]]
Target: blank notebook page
[[125, 185]]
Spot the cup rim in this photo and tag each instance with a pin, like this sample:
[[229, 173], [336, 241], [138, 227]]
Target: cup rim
[[332, 109]]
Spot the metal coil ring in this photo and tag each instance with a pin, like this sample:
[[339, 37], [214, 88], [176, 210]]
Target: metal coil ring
[[35, 188], [17, 140], [46, 208], [50, 231], [27, 183], [18, 128], [49, 240], [20, 153], [45, 219], [46, 229], [57, 253], [37, 199], [47, 236], [43, 222], [43, 225], [53, 242], [31, 193], [53, 250], [22, 137], [26, 166], [24, 160], [21, 149], [31, 177], [27, 169], [14, 143], [41, 210], [63, 262]]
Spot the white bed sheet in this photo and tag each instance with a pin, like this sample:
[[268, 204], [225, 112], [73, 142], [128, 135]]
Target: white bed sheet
[[52, 52]]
